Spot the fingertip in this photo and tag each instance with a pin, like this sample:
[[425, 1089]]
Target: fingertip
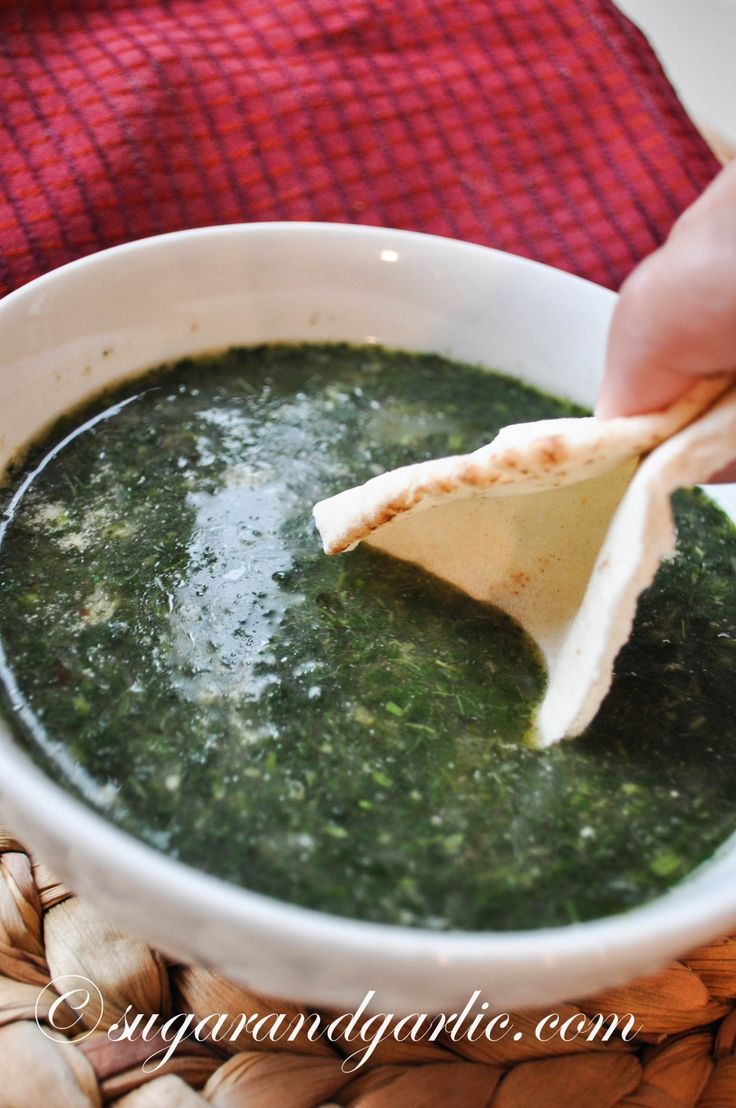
[[725, 476], [640, 391], [608, 403]]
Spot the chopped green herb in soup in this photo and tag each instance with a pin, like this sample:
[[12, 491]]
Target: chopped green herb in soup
[[347, 734]]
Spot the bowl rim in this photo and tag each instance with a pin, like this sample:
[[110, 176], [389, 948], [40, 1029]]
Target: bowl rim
[[674, 917]]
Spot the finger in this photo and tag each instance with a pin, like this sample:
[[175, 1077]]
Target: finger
[[675, 319], [716, 202], [642, 375], [724, 476]]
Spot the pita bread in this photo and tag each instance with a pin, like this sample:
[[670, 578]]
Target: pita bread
[[560, 523]]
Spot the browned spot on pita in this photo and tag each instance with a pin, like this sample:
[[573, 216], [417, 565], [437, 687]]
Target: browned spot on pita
[[554, 450]]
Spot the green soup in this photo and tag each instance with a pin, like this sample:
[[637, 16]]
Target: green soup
[[345, 733]]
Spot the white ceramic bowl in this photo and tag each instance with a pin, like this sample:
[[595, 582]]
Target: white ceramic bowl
[[113, 314]]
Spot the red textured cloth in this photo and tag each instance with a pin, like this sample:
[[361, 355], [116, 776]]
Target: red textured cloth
[[544, 127]]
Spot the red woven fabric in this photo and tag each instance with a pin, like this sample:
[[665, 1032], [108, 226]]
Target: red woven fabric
[[545, 127]]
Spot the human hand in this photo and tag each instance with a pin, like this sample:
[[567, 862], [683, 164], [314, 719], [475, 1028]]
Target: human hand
[[675, 320]]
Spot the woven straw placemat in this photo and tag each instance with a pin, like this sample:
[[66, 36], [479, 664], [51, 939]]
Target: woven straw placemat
[[684, 1055]]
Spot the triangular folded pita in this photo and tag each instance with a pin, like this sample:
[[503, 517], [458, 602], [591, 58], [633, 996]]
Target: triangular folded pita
[[560, 523]]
